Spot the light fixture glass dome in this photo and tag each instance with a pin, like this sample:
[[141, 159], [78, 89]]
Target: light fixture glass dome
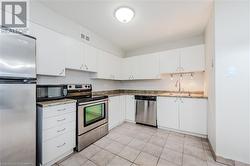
[[124, 14]]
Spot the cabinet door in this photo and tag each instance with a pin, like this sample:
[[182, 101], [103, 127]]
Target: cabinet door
[[91, 59], [127, 68], [193, 58], [193, 115], [51, 51], [146, 67], [130, 108], [115, 112], [170, 61], [75, 54], [168, 112], [108, 66]]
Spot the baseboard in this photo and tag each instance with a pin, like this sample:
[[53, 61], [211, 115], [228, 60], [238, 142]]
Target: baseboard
[[225, 161], [183, 132]]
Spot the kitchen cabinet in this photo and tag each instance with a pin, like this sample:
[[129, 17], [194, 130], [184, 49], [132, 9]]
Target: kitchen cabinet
[[51, 50], [109, 66], [184, 114], [170, 61], [75, 54], [91, 59], [192, 58], [188, 59], [56, 132], [116, 111], [141, 67], [81, 56], [193, 115], [130, 108], [168, 112]]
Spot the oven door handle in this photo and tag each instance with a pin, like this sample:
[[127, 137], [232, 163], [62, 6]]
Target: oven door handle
[[93, 102]]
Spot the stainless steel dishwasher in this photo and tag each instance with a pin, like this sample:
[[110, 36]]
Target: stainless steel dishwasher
[[146, 110]]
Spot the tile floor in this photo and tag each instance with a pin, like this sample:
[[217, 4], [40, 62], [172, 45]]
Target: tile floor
[[137, 145]]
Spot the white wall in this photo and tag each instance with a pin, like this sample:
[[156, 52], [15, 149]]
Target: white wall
[[188, 84], [232, 80], [78, 77], [209, 79], [195, 40]]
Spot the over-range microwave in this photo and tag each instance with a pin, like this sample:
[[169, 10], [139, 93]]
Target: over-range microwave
[[51, 92]]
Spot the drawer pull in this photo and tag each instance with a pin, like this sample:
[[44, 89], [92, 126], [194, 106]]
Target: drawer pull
[[59, 120], [59, 146], [62, 109], [61, 130]]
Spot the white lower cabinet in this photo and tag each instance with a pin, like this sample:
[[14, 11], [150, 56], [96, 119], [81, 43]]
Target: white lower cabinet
[[167, 112], [193, 115], [116, 111], [56, 132], [130, 108], [184, 114]]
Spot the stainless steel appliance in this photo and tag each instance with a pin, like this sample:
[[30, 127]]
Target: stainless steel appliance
[[92, 115], [51, 92], [146, 110], [17, 99]]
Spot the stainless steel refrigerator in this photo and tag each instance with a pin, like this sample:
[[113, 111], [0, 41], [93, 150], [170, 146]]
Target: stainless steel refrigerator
[[17, 100]]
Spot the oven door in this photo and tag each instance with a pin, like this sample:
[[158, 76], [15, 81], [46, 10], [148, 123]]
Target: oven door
[[92, 115]]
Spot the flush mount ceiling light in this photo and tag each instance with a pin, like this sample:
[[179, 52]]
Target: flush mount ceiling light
[[124, 14]]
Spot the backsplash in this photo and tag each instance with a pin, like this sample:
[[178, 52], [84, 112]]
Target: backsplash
[[77, 77], [166, 83]]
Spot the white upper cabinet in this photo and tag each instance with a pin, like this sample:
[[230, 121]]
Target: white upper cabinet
[[170, 61], [128, 66], [91, 59], [109, 66], [51, 51], [188, 59], [193, 58], [141, 67], [75, 54], [81, 56]]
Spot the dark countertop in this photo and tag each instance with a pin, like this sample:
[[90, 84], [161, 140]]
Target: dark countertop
[[160, 93]]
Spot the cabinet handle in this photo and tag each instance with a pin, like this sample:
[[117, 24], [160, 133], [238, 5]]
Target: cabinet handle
[[62, 109], [59, 146], [61, 130], [81, 67], [59, 120], [181, 100], [61, 72], [176, 99], [86, 67]]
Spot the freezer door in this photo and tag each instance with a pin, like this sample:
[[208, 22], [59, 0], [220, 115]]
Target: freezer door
[[17, 56], [17, 124]]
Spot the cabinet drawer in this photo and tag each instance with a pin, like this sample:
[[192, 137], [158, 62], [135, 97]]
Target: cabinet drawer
[[59, 120], [58, 110], [58, 130], [57, 146]]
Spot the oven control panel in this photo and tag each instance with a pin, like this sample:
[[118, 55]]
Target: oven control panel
[[79, 87]]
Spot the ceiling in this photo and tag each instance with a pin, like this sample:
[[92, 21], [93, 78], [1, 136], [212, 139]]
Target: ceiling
[[155, 21]]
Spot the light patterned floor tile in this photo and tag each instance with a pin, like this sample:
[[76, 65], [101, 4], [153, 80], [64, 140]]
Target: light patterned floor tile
[[137, 144], [145, 159], [172, 156], [74, 160], [129, 153], [102, 158], [118, 161], [90, 151], [115, 147], [193, 161], [163, 162], [152, 149]]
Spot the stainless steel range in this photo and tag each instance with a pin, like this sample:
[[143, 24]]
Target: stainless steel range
[[92, 115]]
